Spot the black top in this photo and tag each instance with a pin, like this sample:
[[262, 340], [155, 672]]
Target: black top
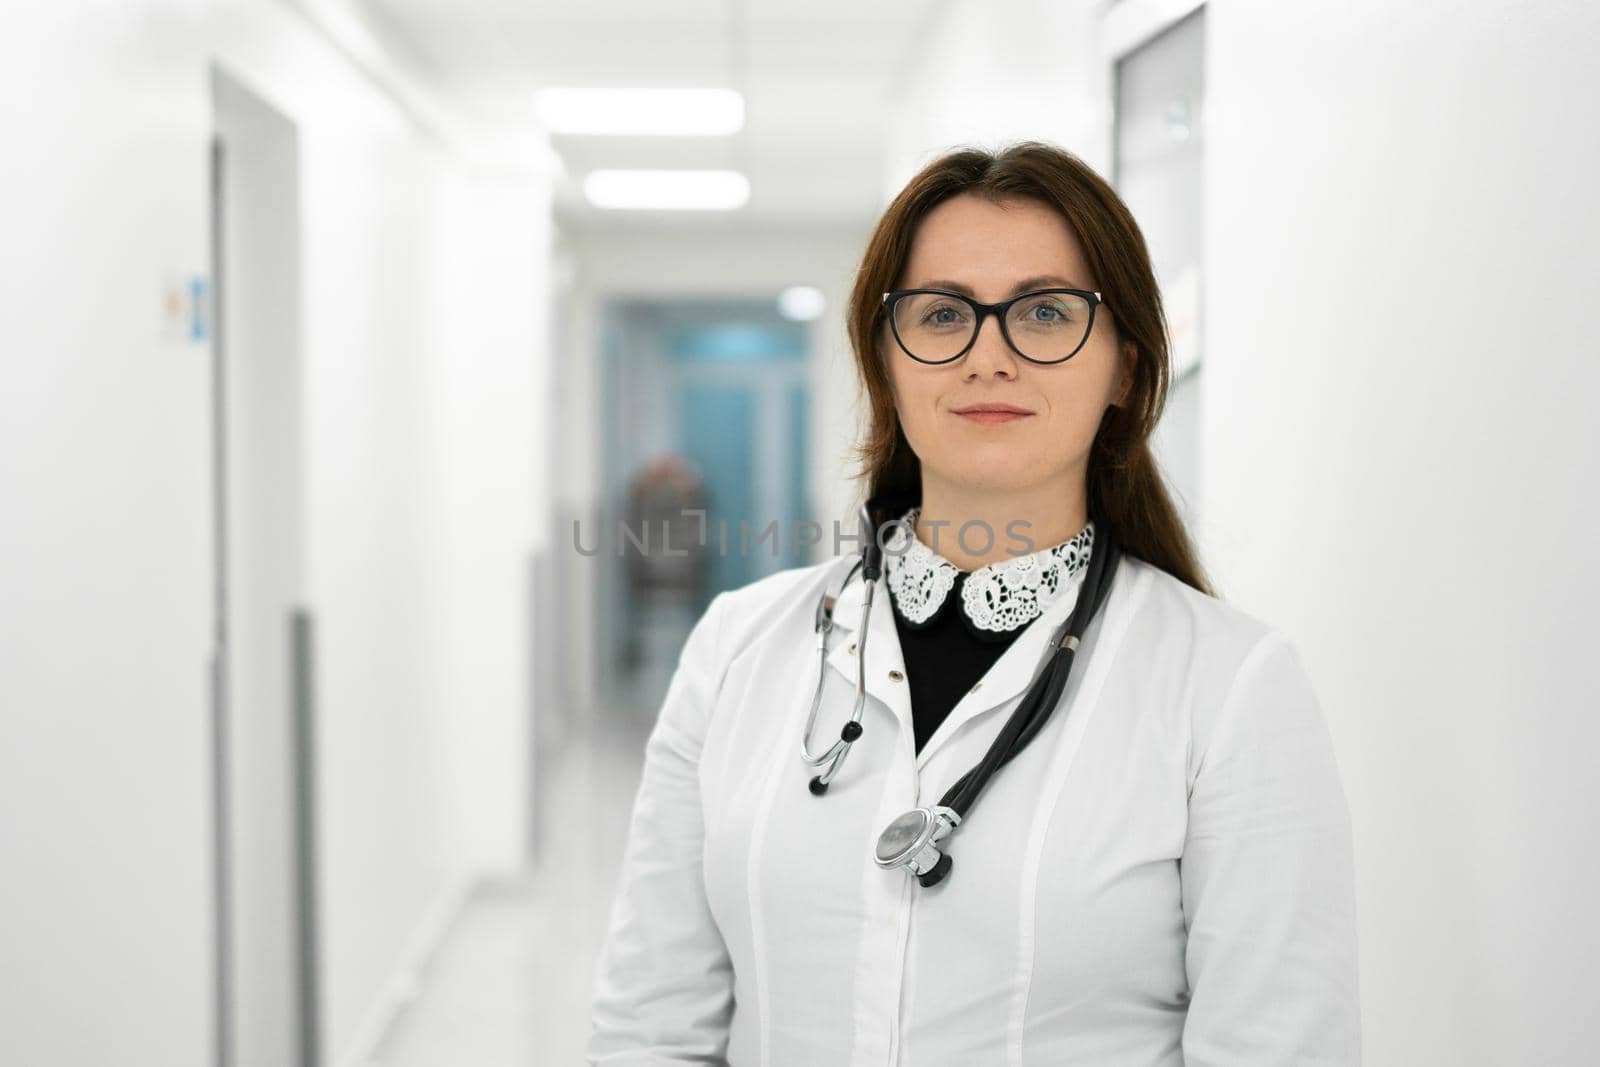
[[945, 657]]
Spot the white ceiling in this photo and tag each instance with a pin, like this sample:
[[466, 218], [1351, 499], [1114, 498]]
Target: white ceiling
[[818, 76]]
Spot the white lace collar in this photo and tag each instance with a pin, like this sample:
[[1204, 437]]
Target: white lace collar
[[997, 598]]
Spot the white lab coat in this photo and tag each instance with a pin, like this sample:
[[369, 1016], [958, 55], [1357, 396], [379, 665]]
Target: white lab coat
[[1163, 877]]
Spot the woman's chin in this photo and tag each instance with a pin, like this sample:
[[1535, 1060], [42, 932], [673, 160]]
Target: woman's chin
[[987, 473]]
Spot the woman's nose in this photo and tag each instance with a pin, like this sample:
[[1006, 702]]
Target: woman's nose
[[990, 353]]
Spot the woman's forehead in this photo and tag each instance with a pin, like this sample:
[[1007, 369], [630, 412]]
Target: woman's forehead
[[980, 245]]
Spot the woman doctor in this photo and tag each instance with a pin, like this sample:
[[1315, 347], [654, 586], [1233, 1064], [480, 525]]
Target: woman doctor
[[1161, 875]]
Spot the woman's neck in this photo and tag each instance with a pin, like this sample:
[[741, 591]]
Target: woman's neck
[[998, 525]]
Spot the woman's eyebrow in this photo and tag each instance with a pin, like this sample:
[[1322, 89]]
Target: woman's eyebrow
[[1042, 281]]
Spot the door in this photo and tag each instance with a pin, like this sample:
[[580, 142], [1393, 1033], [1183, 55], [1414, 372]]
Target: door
[[266, 999]]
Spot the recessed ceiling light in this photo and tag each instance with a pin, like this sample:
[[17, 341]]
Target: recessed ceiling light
[[667, 190], [802, 303], [680, 112]]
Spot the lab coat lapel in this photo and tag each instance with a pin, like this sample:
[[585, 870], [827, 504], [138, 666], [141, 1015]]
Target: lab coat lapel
[[1008, 678], [885, 662]]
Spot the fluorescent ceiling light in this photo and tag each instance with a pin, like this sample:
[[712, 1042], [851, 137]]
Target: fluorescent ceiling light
[[667, 190], [683, 112], [801, 303]]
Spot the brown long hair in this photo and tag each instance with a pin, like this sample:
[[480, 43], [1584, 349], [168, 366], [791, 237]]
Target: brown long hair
[[1126, 491]]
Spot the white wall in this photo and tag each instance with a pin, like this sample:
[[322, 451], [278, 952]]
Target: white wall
[[489, 401], [986, 74], [1401, 461], [425, 320], [105, 901]]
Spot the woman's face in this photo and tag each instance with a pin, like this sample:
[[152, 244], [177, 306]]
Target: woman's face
[[993, 251]]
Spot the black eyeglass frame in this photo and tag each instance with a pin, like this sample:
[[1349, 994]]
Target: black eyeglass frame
[[983, 311]]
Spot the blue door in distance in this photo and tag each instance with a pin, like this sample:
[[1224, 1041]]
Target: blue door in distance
[[717, 431]]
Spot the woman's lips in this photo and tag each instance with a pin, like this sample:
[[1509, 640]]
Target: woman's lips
[[992, 416]]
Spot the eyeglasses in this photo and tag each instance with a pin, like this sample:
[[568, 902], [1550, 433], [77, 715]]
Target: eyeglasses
[[1044, 326]]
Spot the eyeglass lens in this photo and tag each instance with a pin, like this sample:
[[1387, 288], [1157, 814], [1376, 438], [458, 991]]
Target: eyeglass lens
[[1047, 327]]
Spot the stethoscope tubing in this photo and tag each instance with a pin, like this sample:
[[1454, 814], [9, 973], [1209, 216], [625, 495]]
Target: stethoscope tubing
[[836, 753], [1040, 701], [1024, 724]]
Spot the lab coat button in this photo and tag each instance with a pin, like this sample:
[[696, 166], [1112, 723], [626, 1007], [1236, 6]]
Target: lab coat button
[[896, 676]]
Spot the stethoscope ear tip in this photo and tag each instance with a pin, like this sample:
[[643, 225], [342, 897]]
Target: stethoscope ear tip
[[818, 786]]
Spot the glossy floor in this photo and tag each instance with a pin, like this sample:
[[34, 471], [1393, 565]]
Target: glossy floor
[[509, 984]]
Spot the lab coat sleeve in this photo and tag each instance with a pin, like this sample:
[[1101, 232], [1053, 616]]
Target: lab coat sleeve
[[1268, 880], [663, 987]]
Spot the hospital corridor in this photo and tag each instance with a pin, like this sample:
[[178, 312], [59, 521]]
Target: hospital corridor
[[428, 429]]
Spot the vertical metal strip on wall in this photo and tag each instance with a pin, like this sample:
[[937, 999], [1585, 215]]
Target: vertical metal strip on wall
[[217, 669], [302, 645]]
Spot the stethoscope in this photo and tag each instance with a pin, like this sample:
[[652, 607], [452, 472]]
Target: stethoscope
[[912, 840]]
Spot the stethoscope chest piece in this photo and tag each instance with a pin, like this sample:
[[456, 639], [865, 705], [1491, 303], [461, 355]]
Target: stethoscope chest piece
[[911, 842]]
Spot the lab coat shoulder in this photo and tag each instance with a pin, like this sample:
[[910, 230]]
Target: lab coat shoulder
[[755, 609], [731, 625], [758, 610], [1267, 868], [1210, 656]]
